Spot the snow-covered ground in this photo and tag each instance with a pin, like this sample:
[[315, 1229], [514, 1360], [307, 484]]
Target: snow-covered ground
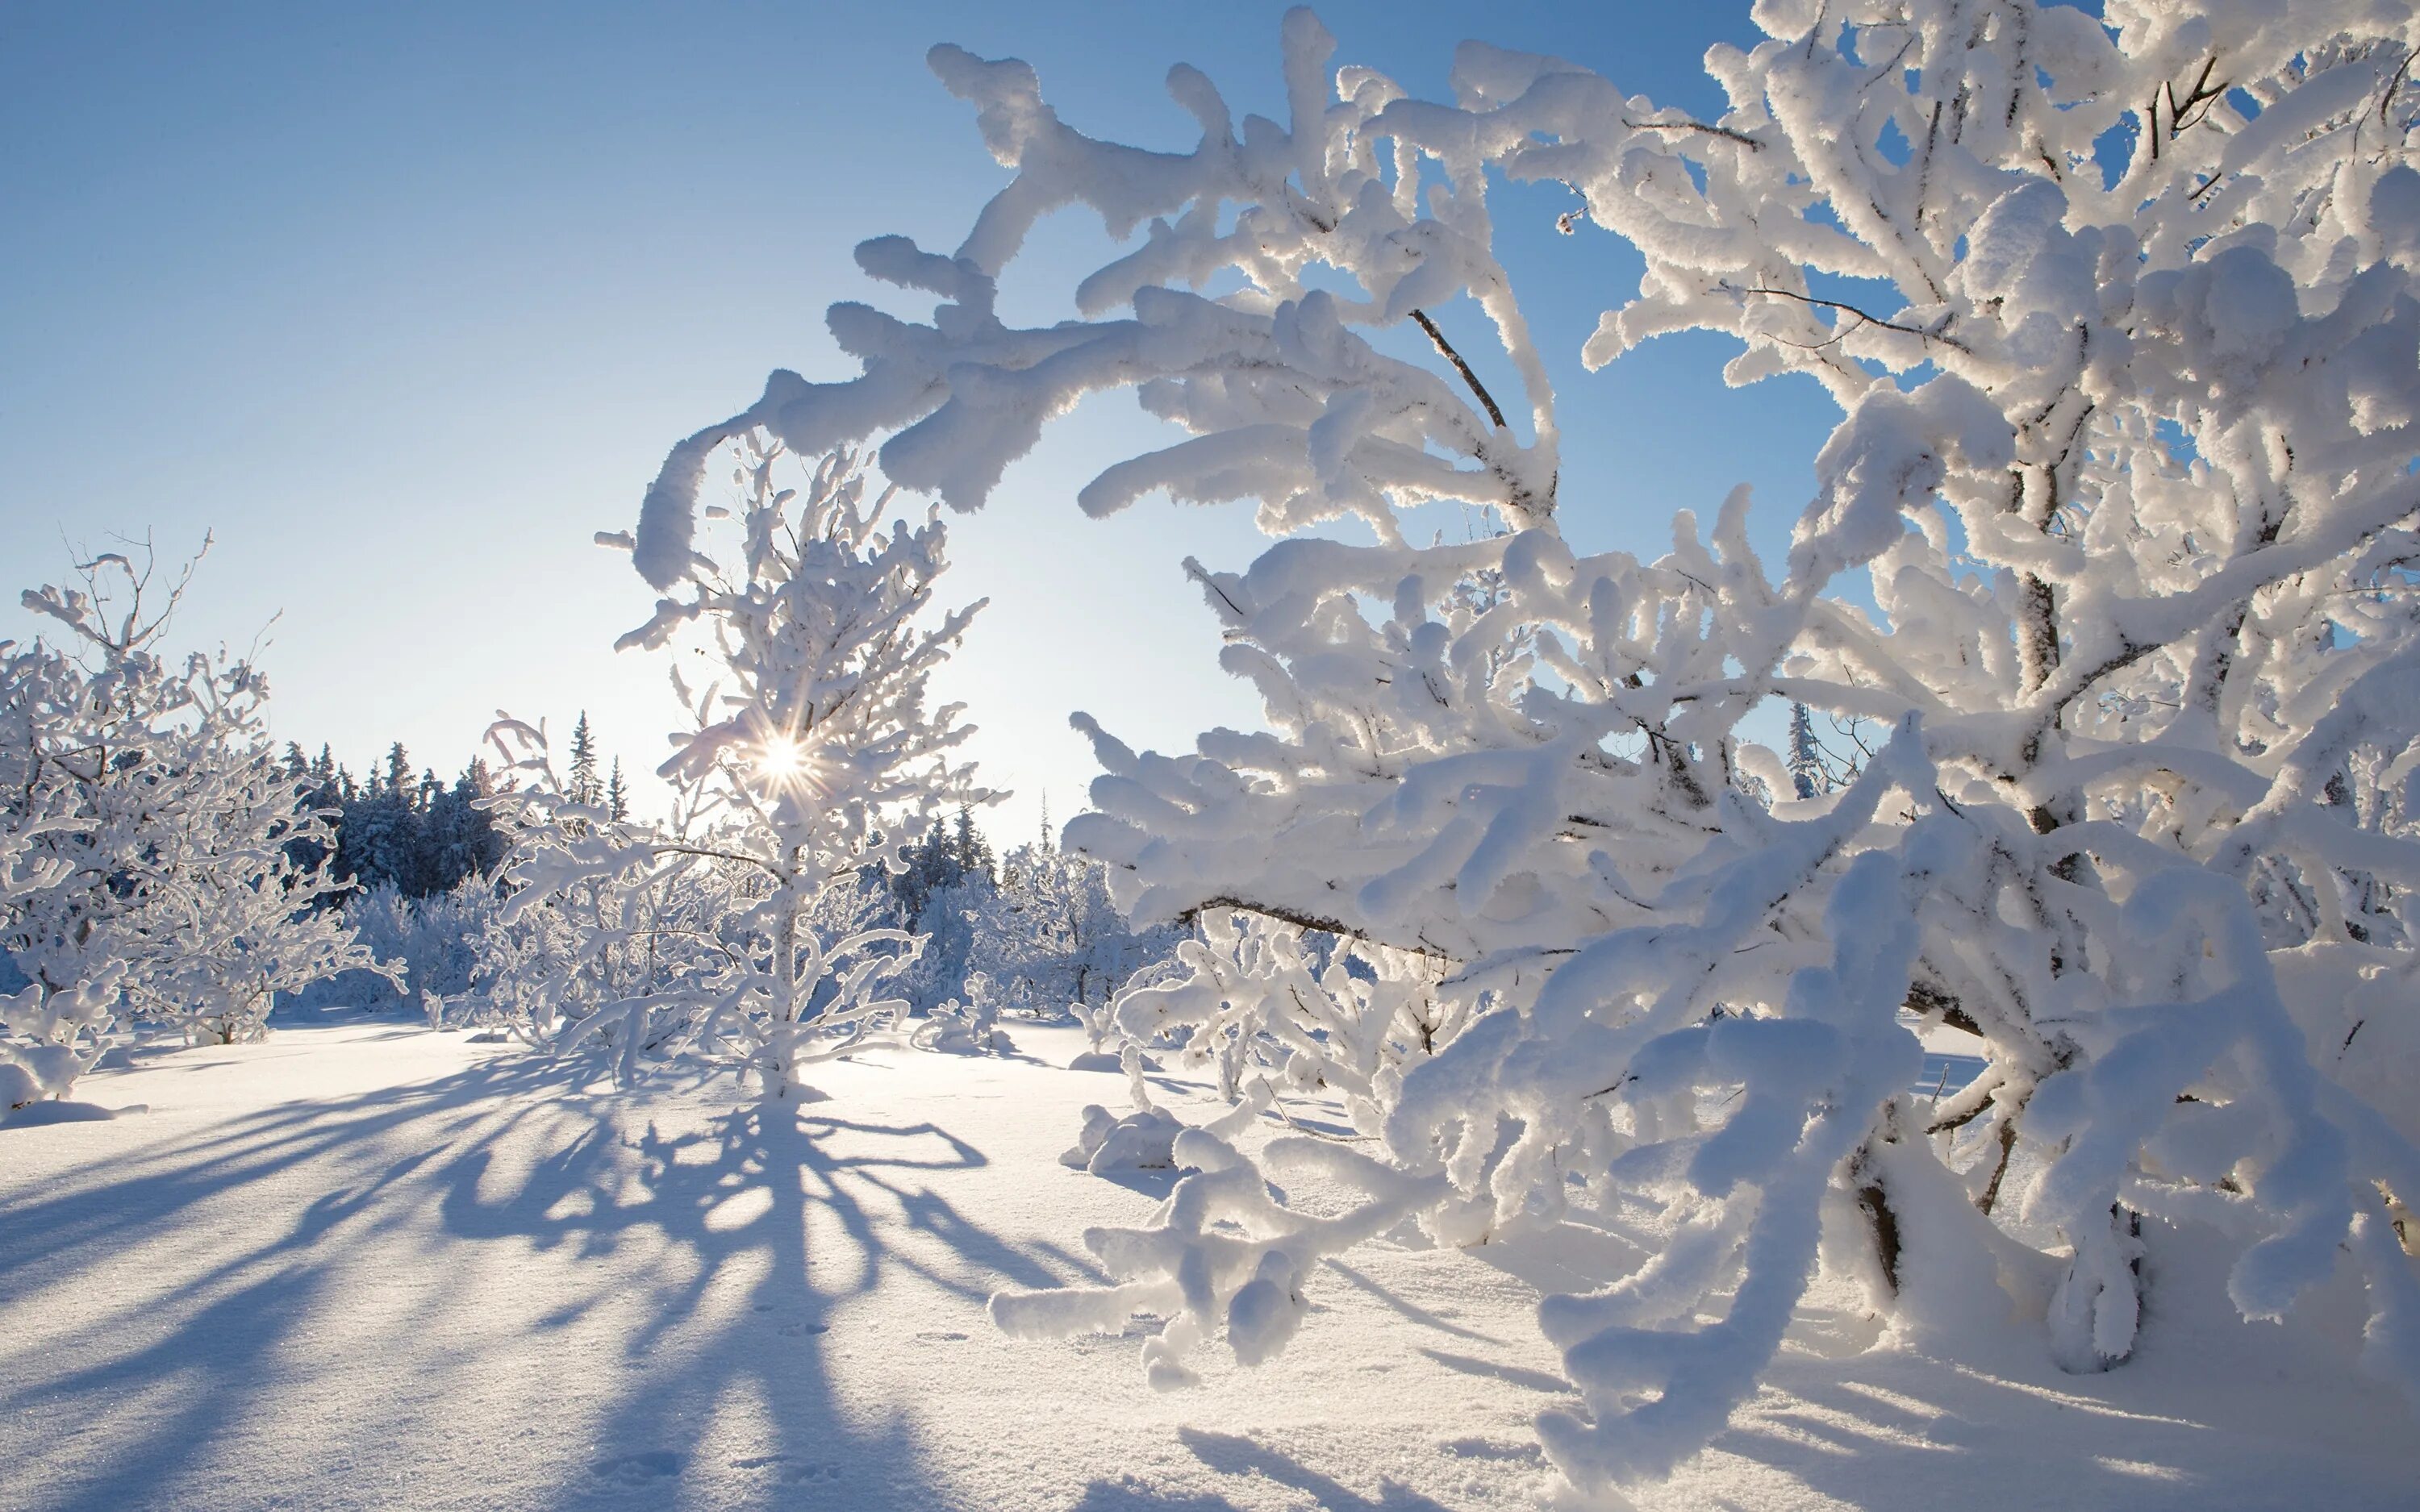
[[371, 1266]]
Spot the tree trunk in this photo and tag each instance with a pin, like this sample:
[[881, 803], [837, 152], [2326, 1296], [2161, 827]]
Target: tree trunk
[[780, 1077]]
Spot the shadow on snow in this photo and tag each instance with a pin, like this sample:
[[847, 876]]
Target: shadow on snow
[[797, 1214]]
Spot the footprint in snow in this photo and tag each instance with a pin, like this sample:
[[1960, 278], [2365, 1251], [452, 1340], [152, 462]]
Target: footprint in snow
[[794, 1330], [935, 1336], [637, 1469]]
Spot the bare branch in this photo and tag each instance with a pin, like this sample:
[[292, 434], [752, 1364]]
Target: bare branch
[[1460, 366], [1724, 132], [1918, 331]]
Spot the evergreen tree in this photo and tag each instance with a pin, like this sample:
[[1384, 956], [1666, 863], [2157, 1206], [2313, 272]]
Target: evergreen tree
[[1807, 777], [972, 851], [926, 869], [413, 837], [584, 788], [617, 794]]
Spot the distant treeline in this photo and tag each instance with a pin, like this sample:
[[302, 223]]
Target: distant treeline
[[420, 835], [417, 835]]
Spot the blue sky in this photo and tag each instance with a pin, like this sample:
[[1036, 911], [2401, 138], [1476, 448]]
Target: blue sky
[[406, 303]]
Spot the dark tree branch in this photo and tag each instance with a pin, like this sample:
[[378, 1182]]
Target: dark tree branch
[[1918, 331], [1486, 399], [1283, 915], [1724, 132]]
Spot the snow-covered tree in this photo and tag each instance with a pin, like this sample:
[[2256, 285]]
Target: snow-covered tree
[[149, 836], [237, 922], [2121, 322], [814, 753]]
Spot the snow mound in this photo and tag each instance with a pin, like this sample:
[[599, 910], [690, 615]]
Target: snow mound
[[1104, 1060], [35, 1115], [1143, 1141]]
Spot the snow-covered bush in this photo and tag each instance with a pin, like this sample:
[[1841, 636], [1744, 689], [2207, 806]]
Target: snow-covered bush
[[149, 860], [971, 1027], [434, 937], [436, 942], [53, 1035], [2120, 321], [1143, 1140]]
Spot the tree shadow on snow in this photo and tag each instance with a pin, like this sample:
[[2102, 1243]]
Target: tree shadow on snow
[[763, 1224], [1868, 1432], [1410, 1310], [1232, 1454], [1248, 1460], [1130, 1495], [724, 1250], [185, 1358]]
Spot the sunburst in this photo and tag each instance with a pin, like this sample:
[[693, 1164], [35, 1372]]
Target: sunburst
[[787, 764], [782, 759]]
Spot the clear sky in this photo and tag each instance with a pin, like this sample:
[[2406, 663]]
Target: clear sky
[[405, 303]]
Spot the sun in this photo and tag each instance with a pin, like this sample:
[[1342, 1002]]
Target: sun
[[782, 759], [785, 764]]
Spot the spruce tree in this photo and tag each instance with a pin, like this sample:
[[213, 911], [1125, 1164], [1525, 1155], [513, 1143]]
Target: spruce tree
[[583, 787], [971, 852], [1806, 762]]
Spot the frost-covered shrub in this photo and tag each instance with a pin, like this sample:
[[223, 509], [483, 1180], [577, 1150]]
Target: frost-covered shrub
[[1057, 936], [966, 1028], [1143, 1140], [148, 840], [2121, 323], [54, 1036], [433, 938]]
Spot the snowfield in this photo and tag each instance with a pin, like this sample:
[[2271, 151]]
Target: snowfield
[[366, 1265]]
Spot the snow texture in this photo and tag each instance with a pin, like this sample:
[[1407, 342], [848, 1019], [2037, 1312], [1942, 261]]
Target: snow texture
[[365, 1266]]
